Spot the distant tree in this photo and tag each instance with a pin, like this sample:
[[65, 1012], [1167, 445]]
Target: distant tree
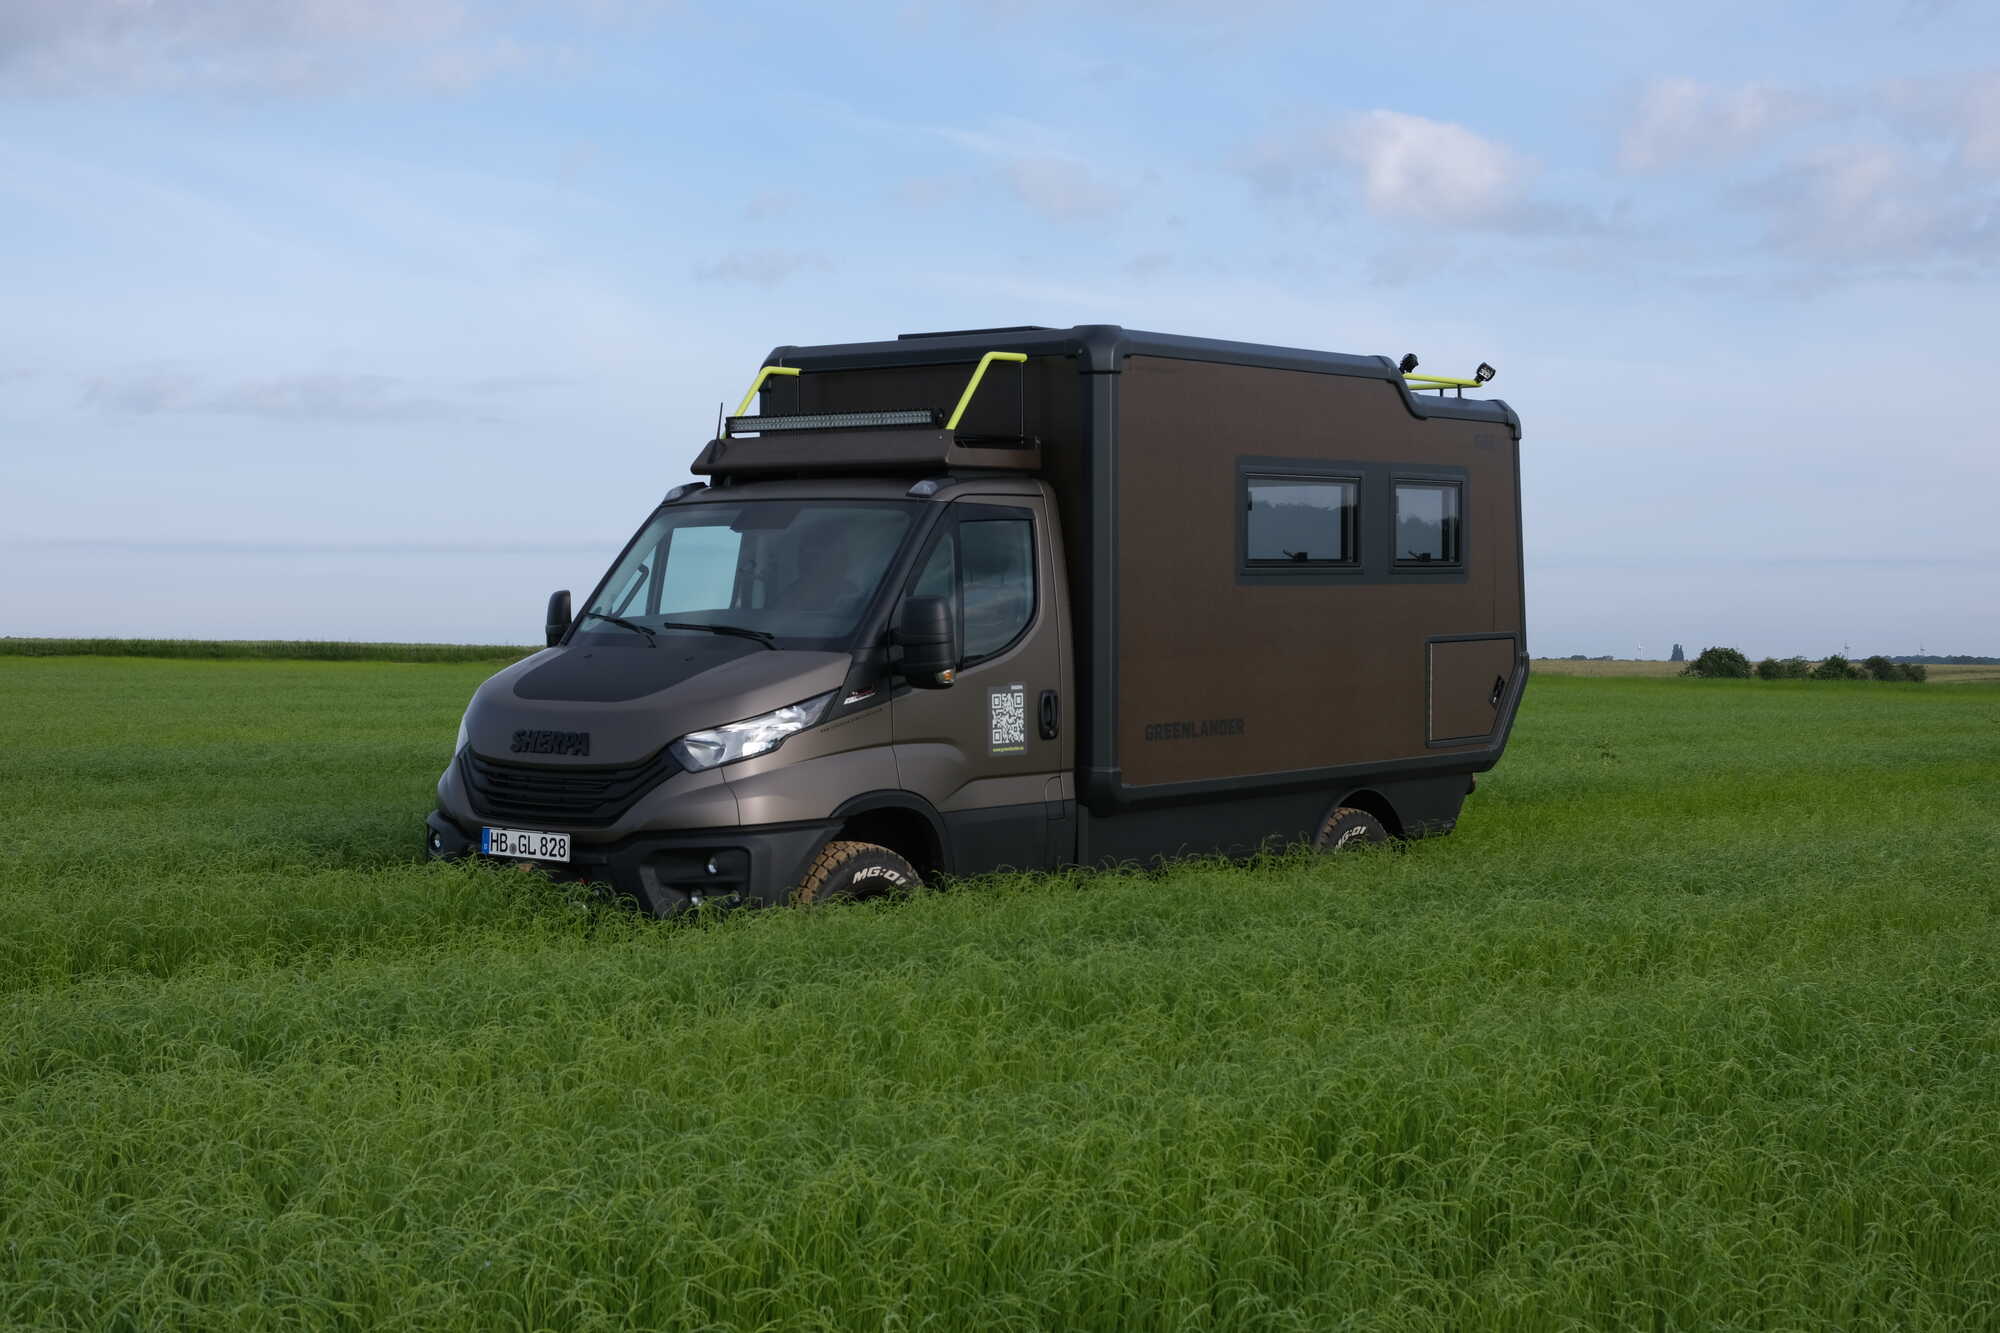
[[1719, 663], [1888, 668], [1677, 655], [1836, 667]]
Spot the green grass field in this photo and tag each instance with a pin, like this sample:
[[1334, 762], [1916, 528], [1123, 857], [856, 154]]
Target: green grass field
[[1694, 1023]]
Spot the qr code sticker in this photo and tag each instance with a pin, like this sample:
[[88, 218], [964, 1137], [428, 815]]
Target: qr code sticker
[[1009, 718]]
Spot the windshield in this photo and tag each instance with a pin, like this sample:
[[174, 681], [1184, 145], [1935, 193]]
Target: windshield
[[801, 571]]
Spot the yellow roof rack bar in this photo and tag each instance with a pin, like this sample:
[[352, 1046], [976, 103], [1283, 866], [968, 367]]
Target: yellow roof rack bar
[[1441, 382], [978, 374], [758, 383], [964, 399]]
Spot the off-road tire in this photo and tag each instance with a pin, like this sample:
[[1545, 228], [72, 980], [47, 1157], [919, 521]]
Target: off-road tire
[[849, 871], [1346, 827]]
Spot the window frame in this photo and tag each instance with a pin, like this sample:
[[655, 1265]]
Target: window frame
[[980, 511], [1456, 485], [1375, 525], [1350, 562]]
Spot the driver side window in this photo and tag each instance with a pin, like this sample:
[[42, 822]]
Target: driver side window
[[997, 582], [986, 568]]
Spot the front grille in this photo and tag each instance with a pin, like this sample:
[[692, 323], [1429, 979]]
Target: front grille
[[565, 795]]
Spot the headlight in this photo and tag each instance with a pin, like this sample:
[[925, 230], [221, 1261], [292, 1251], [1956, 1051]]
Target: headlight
[[752, 736], [463, 734]]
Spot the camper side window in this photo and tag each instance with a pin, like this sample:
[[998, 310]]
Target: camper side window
[[1427, 523], [1300, 521]]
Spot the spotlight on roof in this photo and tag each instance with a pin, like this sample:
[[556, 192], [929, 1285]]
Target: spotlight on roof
[[1408, 363], [1484, 373]]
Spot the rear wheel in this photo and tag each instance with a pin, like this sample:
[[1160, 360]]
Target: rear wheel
[[1346, 827], [849, 871]]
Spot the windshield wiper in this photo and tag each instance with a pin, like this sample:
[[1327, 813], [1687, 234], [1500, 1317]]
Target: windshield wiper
[[618, 620], [768, 640]]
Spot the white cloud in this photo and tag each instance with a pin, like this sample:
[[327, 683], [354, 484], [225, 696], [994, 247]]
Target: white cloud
[[142, 390], [327, 397], [1878, 202], [1431, 170], [281, 46], [1961, 114], [1980, 123], [332, 397], [762, 268], [1033, 163], [1407, 168], [1891, 177], [768, 204], [931, 191], [1682, 120], [1062, 189]]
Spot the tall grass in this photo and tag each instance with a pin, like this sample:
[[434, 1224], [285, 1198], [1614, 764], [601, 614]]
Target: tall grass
[[1692, 1024]]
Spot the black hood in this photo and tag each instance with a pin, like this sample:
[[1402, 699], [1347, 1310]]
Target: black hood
[[617, 670], [618, 704]]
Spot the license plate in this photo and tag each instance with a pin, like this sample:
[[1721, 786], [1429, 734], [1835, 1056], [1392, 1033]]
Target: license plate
[[523, 844]]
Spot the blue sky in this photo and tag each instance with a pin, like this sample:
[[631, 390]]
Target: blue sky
[[381, 318]]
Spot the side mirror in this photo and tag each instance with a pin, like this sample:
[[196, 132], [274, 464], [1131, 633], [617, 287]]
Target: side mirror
[[559, 617], [927, 640]]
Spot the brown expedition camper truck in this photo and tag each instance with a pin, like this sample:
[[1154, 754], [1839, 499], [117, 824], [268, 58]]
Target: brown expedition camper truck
[[1025, 598]]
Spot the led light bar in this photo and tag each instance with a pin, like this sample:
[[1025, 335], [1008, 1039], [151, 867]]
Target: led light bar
[[923, 416]]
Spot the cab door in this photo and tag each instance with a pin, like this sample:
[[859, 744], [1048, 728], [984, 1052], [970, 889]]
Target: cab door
[[992, 751]]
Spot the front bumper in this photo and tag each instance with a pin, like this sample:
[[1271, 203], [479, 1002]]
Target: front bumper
[[669, 873]]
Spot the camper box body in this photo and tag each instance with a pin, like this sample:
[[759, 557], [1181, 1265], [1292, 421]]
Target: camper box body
[[1188, 684], [1219, 705]]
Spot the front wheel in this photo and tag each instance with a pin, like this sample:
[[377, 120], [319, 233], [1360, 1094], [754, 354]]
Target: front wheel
[[850, 871], [1346, 827]]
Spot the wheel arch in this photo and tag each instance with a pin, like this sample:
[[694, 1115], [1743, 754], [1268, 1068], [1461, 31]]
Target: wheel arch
[[1376, 804], [902, 821]]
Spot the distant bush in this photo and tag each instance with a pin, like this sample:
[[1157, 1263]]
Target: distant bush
[[1835, 667], [1784, 668], [1719, 664], [1884, 668]]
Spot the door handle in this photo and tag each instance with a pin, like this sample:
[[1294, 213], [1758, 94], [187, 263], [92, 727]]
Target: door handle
[[1051, 715]]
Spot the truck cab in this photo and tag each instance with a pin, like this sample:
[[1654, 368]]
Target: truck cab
[[866, 652]]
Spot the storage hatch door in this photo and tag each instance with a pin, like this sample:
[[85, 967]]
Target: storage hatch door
[[1469, 676]]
